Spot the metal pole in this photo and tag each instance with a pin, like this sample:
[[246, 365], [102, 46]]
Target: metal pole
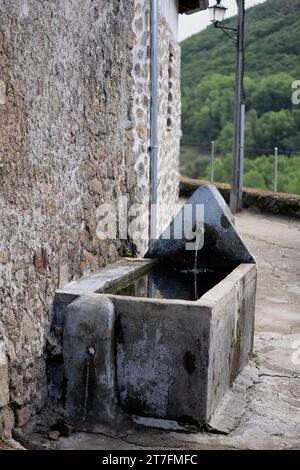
[[275, 169], [212, 164], [154, 122], [236, 185], [242, 151]]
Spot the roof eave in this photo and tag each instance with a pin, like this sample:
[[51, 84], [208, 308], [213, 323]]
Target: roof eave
[[189, 7]]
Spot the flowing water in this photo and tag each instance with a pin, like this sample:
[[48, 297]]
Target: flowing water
[[196, 268], [91, 352], [86, 388]]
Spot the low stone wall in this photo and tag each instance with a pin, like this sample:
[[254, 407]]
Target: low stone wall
[[265, 201]]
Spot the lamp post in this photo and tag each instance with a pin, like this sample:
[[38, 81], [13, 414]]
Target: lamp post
[[217, 14]]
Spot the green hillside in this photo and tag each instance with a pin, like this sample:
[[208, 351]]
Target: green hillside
[[272, 63], [272, 45]]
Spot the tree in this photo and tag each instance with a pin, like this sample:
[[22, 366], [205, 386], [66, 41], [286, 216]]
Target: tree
[[274, 128], [272, 93], [254, 179]]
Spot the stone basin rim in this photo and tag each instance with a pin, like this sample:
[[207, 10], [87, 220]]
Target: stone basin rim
[[95, 284]]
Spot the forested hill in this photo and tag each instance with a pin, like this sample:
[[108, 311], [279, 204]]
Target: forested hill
[[272, 63], [272, 44]]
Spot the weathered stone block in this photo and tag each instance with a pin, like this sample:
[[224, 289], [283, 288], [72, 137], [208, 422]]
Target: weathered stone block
[[231, 330], [6, 422], [23, 415], [88, 354], [2, 92], [4, 391], [162, 358]]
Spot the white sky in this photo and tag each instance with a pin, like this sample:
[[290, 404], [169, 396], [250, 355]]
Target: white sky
[[192, 24]]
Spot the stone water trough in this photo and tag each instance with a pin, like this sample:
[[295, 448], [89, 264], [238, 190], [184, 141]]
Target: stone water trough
[[162, 337]]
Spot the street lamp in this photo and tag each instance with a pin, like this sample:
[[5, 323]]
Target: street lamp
[[217, 14]]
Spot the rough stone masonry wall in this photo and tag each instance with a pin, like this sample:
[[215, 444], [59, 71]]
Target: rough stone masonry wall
[[66, 134]]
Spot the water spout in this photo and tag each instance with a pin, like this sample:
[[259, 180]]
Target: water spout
[[196, 267]]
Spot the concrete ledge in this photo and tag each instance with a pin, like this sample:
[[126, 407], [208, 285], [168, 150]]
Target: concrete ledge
[[265, 201], [107, 277], [123, 269]]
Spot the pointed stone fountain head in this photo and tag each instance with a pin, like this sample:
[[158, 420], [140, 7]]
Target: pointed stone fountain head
[[219, 247]]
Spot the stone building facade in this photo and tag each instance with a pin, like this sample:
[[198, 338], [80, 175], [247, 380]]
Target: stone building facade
[[169, 129], [75, 130]]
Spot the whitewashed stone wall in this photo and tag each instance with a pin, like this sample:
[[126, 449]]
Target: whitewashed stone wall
[[169, 10], [141, 115], [169, 124]]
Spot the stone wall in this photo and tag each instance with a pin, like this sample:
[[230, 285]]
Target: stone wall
[[65, 134], [282, 204], [74, 118]]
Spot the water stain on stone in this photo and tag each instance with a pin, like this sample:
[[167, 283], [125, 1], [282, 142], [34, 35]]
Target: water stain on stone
[[189, 362]]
